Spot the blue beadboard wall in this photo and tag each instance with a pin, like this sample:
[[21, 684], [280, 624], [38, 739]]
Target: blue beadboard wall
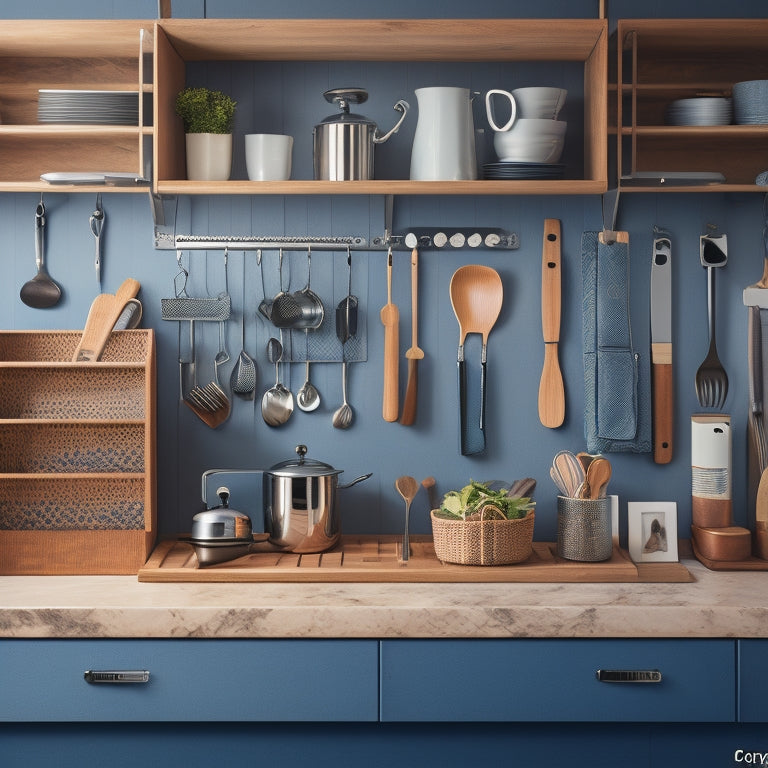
[[517, 444]]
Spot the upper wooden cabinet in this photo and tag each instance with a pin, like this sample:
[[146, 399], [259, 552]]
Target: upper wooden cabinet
[[72, 55], [281, 63], [661, 60], [231, 50]]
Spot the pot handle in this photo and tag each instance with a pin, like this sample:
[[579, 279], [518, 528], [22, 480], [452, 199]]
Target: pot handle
[[401, 106], [355, 481]]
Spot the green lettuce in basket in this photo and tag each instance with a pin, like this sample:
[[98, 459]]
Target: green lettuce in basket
[[480, 500]]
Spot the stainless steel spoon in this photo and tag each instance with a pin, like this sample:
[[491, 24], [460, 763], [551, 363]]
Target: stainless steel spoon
[[308, 398], [277, 402]]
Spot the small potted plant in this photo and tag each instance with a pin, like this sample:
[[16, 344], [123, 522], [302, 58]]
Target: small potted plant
[[479, 525], [207, 116]]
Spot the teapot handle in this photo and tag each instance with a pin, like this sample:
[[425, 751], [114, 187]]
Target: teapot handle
[[401, 106], [489, 109]]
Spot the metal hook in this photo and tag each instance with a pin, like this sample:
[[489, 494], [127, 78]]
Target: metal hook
[[180, 292]]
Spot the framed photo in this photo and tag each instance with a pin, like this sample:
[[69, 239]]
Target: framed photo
[[652, 531]]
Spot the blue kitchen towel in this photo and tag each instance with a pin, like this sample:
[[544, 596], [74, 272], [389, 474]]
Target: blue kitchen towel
[[617, 395]]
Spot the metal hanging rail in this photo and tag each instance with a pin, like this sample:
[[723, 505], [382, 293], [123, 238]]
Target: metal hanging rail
[[254, 242]]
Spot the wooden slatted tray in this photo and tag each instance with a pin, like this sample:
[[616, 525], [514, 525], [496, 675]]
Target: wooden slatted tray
[[377, 559]]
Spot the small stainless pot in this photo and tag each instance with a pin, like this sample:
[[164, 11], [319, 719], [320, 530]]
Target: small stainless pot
[[301, 509]]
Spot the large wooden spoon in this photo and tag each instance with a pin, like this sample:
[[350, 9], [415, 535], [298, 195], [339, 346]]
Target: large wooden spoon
[[476, 297], [390, 318], [551, 389]]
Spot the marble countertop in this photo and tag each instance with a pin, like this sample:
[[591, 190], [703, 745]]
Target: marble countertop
[[716, 604]]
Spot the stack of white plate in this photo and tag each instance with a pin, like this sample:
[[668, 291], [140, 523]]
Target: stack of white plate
[[700, 110], [109, 107]]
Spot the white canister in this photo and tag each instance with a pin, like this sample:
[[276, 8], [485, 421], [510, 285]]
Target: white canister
[[268, 156], [444, 143]]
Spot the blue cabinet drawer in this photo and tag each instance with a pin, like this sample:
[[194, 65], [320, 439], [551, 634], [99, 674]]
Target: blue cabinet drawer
[[190, 680], [556, 680], [753, 681]]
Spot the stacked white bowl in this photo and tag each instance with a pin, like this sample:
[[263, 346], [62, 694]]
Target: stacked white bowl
[[533, 134]]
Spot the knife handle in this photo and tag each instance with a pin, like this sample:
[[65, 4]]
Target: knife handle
[[663, 399]]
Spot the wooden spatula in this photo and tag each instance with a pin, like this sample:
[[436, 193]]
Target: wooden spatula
[[390, 318], [105, 310], [551, 388]]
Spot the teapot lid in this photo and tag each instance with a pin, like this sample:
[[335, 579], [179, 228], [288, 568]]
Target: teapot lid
[[302, 466], [343, 97]]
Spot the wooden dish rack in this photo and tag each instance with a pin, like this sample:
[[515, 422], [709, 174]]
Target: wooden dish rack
[[77, 454]]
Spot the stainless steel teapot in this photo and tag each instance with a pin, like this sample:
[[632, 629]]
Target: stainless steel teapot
[[344, 142]]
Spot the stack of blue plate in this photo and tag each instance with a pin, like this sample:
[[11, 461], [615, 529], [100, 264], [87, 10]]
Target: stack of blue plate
[[750, 102], [700, 110], [509, 170]]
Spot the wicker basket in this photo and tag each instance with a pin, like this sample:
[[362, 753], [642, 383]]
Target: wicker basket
[[483, 542]]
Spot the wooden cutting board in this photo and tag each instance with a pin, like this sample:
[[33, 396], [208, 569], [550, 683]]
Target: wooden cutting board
[[376, 559]]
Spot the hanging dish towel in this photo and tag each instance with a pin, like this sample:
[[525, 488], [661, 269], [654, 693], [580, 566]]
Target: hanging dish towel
[[617, 397]]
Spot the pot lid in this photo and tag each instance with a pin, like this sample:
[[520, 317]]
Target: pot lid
[[302, 466], [343, 97]]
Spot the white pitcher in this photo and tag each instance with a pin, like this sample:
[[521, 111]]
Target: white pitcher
[[444, 143]]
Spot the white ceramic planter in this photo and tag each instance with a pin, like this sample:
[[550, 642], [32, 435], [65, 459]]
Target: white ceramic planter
[[209, 156]]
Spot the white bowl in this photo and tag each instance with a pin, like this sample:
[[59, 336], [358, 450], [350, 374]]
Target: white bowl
[[539, 102], [531, 141]]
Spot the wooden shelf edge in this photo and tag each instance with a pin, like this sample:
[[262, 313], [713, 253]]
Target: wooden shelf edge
[[385, 187], [708, 188], [43, 186], [71, 476]]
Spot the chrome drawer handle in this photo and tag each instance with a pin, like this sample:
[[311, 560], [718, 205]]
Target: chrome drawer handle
[[116, 676], [628, 675]]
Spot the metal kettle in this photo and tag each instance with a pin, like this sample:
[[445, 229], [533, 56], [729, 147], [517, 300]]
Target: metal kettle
[[344, 142]]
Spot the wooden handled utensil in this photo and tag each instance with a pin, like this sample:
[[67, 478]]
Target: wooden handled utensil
[[477, 295], [551, 388], [390, 318], [105, 310], [413, 353]]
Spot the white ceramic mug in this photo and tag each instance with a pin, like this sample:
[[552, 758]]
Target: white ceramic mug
[[268, 156]]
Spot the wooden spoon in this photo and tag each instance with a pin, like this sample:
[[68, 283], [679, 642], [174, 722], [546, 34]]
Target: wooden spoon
[[390, 318], [476, 297], [551, 389], [599, 474], [407, 487]]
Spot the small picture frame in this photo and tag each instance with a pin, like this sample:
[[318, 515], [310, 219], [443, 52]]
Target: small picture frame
[[652, 531]]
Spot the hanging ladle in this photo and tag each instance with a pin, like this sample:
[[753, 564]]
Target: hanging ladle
[[242, 380], [41, 291], [277, 402], [308, 398]]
